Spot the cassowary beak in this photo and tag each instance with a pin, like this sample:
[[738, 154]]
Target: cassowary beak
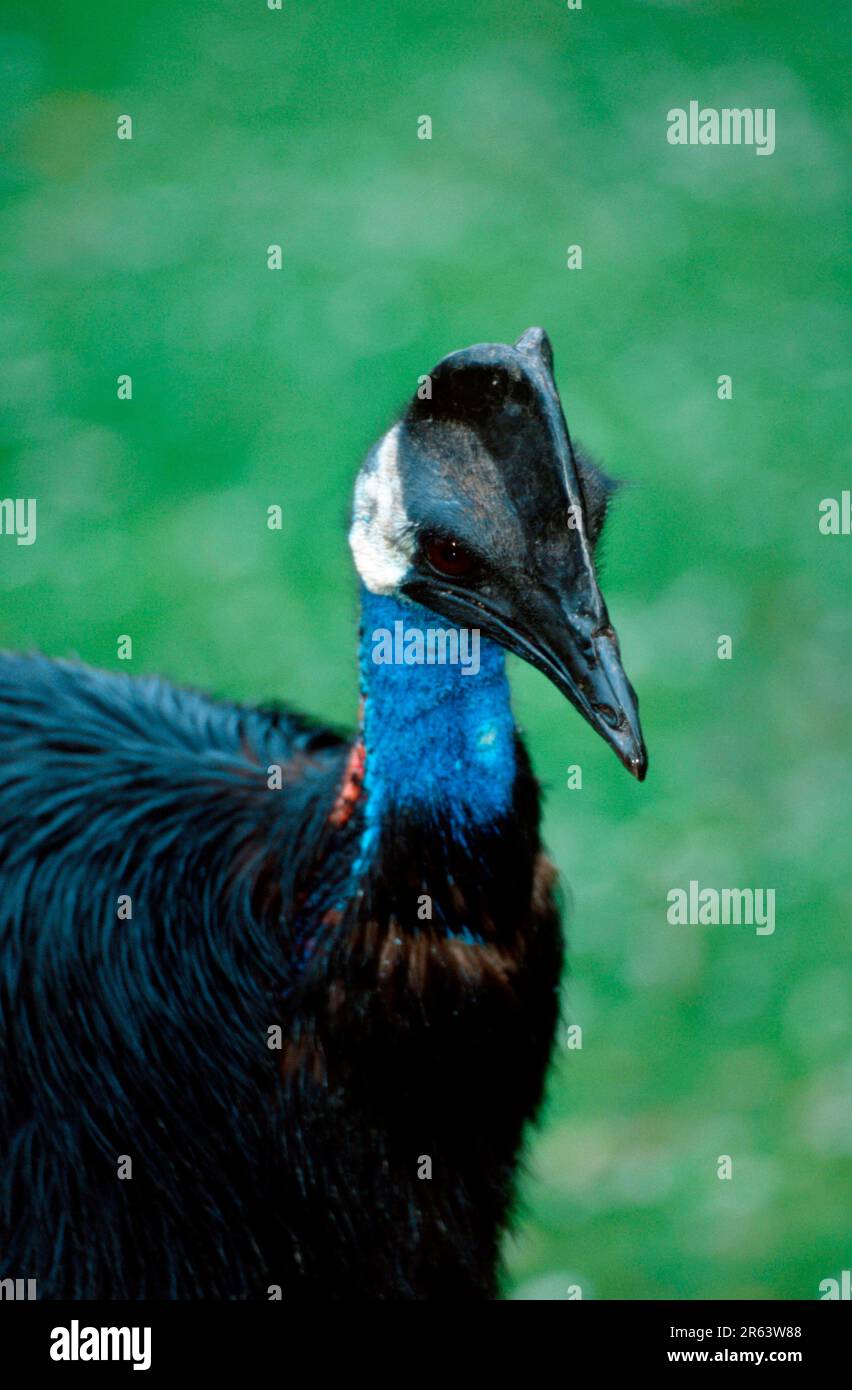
[[565, 632], [578, 650]]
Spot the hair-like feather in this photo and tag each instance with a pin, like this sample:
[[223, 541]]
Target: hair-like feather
[[148, 1037]]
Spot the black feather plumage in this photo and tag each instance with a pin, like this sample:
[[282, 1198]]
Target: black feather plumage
[[149, 1037]]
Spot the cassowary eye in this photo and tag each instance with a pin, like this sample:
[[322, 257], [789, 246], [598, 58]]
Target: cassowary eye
[[448, 557]]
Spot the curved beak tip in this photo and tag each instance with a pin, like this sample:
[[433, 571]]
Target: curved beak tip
[[630, 748], [637, 765]]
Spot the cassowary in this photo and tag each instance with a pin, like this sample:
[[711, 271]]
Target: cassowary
[[276, 1005]]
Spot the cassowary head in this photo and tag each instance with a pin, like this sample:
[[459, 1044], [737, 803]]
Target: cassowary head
[[476, 505]]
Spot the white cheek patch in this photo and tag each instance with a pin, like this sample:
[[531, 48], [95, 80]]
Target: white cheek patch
[[379, 538]]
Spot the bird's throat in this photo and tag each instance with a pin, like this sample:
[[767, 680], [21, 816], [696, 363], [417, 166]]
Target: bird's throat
[[437, 724]]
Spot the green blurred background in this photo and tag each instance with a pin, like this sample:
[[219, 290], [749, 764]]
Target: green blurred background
[[253, 387]]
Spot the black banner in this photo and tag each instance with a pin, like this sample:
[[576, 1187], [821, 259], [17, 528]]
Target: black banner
[[167, 1339]]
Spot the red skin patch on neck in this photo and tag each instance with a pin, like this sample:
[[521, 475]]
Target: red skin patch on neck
[[350, 788]]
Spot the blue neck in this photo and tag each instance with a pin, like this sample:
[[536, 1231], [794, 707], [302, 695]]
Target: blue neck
[[439, 738]]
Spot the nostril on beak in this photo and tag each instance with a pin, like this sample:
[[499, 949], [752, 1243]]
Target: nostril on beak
[[608, 715]]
